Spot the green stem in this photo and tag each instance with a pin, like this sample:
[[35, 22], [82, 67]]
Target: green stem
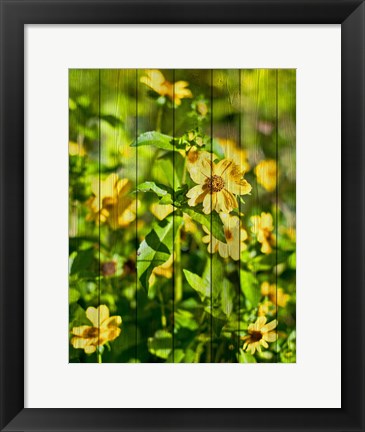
[[98, 353], [177, 268], [183, 181], [159, 118], [162, 305]]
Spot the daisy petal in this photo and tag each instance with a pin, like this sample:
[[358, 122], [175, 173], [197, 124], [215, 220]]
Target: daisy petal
[[270, 337], [113, 321], [97, 316], [269, 326], [196, 195], [81, 331], [207, 203], [222, 167], [260, 322], [90, 349]]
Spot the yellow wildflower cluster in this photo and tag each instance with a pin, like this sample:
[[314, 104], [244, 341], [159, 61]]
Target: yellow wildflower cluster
[[259, 334], [217, 188], [263, 227], [110, 202], [104, 329], [276, 297], [155, 80], [266, 173]]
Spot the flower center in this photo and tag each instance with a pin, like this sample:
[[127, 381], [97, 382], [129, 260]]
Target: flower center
[[255, 336], [92, 332], [215, 183], [228, 234]]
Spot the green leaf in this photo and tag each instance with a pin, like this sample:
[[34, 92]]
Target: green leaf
[[244, 357], [156, 248], [159, 189], [217, 149], [176, 356], [211, 221], [250, 287], [154, 138], [85, 264], [267, 262], [185, 319], [160, 344], [200, 285], [73, 295], [213, 273], [292, 261], [227, 295], [112, 120], [217, 325]]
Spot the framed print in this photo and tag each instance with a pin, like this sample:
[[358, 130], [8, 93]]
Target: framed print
[[182, 215]]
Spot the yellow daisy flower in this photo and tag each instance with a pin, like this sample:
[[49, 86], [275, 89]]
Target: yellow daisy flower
[[104, 329], [110, 202], [276, 296], [217, 185], [266, 173], [235, 238], [195, 157], [164, 270], [175, 91], [259, 334], [202, 108], [266, 308], [232, 151], [75, 149], [189, 224], [263, 227]]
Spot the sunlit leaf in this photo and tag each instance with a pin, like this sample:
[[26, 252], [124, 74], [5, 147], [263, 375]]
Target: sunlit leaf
[[211, 221], [176, 356], [244, 357], [267, 262], [73, 295], [157, 247], [200, 285], [250, 287], [154, 138], [227, 297], [160, 344], [159, 189], [185, 319], [111, 119]]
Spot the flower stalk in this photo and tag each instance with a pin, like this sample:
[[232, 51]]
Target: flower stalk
[[178, 291]]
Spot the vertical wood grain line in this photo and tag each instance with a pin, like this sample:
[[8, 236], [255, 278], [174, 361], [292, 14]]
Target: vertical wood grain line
[[211, 217], [277, 206], [173, 218], [136, 245], [99, 205], [239, 210]]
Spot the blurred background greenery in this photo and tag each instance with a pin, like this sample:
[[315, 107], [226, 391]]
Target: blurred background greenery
[[189, 305]]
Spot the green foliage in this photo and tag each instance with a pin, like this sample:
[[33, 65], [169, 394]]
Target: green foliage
[[250, 287], [211, 221], [244, 357], [160, 344], [141, 248], [200, 285], [156, 248], [159, 189], [156, 139]]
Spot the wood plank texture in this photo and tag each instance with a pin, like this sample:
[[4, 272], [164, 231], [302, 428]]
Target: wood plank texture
[[182, 215]]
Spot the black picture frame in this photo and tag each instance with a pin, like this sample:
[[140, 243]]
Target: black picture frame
[[14, 16]]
